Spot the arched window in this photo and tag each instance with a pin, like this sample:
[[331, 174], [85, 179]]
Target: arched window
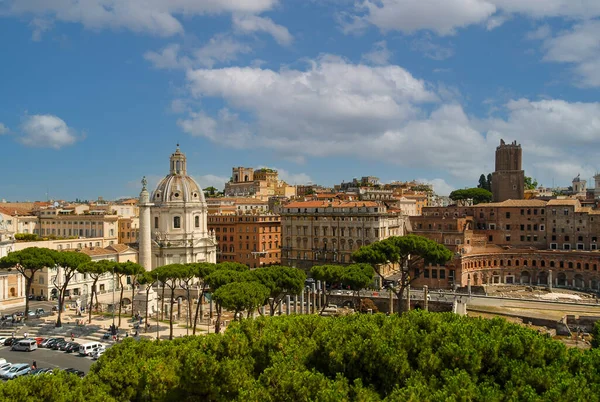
[[156, 222], [197, 221], [177, 166], [177, 222]]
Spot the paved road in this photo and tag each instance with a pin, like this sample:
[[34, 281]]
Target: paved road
[[47, 358]]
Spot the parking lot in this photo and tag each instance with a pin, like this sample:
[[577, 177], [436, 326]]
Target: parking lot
[[47, 358]]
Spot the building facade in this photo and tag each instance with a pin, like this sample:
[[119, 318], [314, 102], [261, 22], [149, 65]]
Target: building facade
[[328, 232], [173, 220], [251, 239]]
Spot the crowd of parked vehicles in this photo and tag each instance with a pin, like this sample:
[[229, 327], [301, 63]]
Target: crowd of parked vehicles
[[10, 371]]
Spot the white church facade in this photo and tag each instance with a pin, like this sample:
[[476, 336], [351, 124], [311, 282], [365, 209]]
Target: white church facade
[[173, 220]]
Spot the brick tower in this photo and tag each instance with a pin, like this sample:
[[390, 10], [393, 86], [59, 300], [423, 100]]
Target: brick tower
[[508, 180]]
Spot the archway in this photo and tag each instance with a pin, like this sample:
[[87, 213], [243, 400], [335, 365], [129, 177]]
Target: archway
[[13, 292], [594, 284], [542, 278], [579, 282], [561, 279], [525, 278], [496, 277]]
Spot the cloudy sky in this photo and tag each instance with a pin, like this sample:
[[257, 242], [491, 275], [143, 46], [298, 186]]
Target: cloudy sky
[[94, 94]]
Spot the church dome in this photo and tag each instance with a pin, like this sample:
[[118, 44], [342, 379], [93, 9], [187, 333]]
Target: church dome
[[177, 186]]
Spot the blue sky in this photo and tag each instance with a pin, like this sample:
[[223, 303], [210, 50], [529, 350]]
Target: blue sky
[[95, 94]]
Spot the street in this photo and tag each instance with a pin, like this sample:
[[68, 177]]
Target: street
[[47, 358]]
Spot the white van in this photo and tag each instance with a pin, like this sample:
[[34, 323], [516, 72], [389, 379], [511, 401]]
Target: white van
[[87, 349], [25, 344]]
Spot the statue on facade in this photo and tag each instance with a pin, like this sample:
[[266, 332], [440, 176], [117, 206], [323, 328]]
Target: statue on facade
[[144, 183]]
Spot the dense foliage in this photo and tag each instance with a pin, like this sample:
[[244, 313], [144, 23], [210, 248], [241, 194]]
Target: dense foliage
[[418, 356], [478, 195]]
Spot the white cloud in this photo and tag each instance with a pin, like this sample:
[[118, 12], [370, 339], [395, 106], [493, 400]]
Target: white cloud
[[225, 129], [440, 186], [440, 16], [46, 131], [156, 17], [379, 55], [444, 17], [168, 58], [429, 49], [254, 23], [3, 129], [211, 180], [542, 32], [218, 50], [580, 47], [293, 178]]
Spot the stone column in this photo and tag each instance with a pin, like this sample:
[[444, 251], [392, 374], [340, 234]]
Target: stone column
[[263, 310], [550, 279], [307, 310], [302, 302], [319, 295], [210, 309], [408, 297], [469, 284], [145, 253], [426, 298], [295, 304], [287, 304], [314, 299], [391, 301], [280, 309]]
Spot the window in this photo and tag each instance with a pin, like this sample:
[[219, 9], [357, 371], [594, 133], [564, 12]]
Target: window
[[442, 274], [434, 273], [566, 238], [566, 211], [522, 212], [507, 227], [507, 238], [177, 222], [426, 273], [156, 222], [490, 238], [508, 215], [197, 221]]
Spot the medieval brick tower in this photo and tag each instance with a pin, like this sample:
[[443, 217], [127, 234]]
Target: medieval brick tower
[[508, 180]]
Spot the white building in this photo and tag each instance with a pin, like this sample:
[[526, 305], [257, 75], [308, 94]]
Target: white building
[[173, 221]]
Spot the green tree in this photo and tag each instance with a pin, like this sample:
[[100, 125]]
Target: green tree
[[329, 274], [95, 269], [70, 262], [482, 182], [170, 275], [280, 281], [407, 252], [210, 191], [357, 277], [478, 195], [223, 276], [489, 182], [201, 271], [147, 279], [135, 270], [27, 262], [530, 184], [240, 296], [186, 281], [123, 270]]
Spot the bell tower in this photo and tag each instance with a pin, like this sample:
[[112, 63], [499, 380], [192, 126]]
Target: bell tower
[[508, 180]]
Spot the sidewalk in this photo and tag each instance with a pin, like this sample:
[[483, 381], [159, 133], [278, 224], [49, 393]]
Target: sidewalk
[[100, 324]]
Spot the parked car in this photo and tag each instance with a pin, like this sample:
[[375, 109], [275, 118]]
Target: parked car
[[27, 345], [39, 371], [72, 347], [75, 371], [39, 311], [17, 370], [41, 298], [31, 297], [64, 346], [4, 368], [2, 361], [31, 313], [45, 342], [39, 340], [97, 354], [2, 339], [52, 341], [107, 335], [58, 344], [10, 341]]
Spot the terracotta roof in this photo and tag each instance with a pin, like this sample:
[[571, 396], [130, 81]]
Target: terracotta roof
[[564, 202], [334, 204], [119, 248], [96, 251], [14, 210], [131, 201], [514, 203]]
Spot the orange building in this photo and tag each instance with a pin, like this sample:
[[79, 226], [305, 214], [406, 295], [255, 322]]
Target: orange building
[[252, 239]]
